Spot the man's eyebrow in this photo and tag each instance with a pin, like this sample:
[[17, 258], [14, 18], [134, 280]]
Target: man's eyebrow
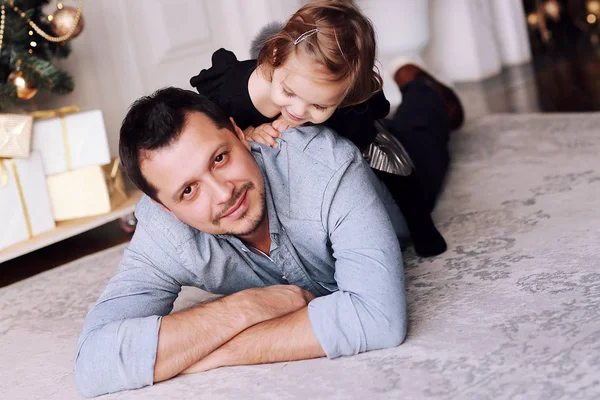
[[176, 196]]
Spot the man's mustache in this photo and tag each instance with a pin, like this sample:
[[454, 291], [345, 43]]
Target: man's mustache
[[231, 202]]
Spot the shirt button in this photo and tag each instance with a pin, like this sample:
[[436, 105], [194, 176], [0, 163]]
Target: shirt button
[[284, 277]]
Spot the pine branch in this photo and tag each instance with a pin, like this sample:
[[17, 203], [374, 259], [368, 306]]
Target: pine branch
[[45, 75], [59, 50], [8, 95], [27, 4], [34, 61]]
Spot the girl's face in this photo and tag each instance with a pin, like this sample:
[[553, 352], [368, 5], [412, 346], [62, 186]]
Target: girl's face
[[305, 91]]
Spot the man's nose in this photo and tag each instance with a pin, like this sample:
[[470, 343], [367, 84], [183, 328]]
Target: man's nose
[[221, 190]]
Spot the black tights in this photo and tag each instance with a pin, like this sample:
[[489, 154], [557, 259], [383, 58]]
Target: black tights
[[421, 124]]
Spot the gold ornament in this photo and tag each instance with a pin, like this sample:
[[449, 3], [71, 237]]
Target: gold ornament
[[25, 91], [35, 27], [65, 21]]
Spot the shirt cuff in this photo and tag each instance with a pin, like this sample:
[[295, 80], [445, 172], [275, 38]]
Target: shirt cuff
[[336, 325]]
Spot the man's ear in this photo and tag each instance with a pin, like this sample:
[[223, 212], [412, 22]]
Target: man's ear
[[240, 134]]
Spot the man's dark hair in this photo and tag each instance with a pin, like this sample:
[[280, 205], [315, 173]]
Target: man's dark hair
[[156, 121]]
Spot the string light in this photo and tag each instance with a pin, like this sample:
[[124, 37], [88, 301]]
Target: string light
[[532, 19], [591, 19], [593, 6]]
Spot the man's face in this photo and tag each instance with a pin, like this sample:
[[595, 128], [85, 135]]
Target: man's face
[[208, 179]]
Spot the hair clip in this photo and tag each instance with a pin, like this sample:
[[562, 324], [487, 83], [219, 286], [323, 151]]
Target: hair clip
[[305, 35]]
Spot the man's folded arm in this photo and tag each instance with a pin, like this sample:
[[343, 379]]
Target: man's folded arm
[[287, 338], [368, 311], [117, 346], [128, 340]]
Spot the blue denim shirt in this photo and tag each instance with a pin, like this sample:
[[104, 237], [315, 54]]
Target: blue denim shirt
[[332, 234]]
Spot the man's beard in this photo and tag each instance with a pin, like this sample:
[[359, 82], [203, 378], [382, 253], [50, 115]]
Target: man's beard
[[254, 222]]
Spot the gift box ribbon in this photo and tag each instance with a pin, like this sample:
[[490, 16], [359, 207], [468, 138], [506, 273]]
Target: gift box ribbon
[[4, 182], [117, 185], [60, 113]]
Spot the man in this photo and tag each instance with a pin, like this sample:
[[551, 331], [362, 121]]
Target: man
[[297, 238]]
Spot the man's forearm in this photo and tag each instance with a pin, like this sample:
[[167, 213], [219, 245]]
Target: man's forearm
[[286, 338], [188, 336]]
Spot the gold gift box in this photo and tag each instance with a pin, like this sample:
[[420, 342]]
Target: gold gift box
[[86, 192]]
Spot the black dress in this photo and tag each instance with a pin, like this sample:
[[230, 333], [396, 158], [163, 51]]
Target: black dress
[[226, 84]]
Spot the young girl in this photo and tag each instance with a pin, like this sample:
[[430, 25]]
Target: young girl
[[319, 69]]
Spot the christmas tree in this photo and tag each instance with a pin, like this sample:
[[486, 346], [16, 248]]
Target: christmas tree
[[29, 41]]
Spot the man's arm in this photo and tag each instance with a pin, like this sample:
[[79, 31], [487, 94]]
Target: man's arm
[[126, 343], [189, 336], [368, 312], [287, 338]]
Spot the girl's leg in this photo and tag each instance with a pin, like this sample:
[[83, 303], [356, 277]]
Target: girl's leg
[[408, 195], [422, 123]]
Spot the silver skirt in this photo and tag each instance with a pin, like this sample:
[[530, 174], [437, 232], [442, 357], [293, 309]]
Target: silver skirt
[[387, 154]]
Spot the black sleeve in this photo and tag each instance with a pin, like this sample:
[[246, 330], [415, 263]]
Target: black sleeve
[[226, 84], [208, 81], [356, 123]]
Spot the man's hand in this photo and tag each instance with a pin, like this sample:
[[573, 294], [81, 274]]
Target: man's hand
[[275, 301]]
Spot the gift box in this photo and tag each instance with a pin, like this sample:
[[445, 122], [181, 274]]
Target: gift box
[[68, 141], [86, 192], [25, 209], [15, 135]]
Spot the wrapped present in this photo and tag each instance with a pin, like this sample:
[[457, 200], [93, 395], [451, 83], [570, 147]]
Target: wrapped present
[[15, 135], [25, 209], [86, 192], [69, 140]]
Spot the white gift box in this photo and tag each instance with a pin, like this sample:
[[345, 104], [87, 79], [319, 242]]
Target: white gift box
[[86, 141], [25, 209]]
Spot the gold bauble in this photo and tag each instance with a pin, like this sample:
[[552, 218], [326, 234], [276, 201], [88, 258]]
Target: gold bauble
[[63, 20], [25, 91]]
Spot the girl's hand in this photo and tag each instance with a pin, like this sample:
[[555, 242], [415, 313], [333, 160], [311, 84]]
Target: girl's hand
[[264, 134], [281, 124]]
